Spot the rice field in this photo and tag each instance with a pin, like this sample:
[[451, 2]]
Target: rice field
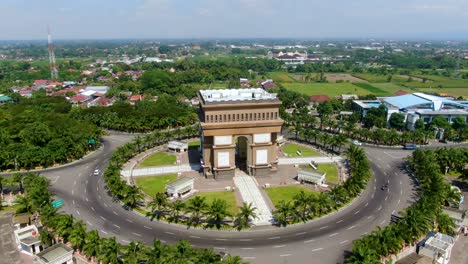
[[330, 89]]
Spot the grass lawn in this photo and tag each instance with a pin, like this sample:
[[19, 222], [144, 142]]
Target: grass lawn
[[330, 169], [12, 208], [194, 144], [291, 150], [229, 197], [285, 193], [371, 77], [371, 88], [391, 88], [450, 91], [330, 89], [281, 77], [158, 159], [152, 185]]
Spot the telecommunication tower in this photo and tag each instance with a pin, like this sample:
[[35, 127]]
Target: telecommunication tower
[[53, 65]]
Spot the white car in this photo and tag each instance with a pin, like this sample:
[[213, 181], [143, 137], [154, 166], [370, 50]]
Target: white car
[[96, 172], [357, 143]]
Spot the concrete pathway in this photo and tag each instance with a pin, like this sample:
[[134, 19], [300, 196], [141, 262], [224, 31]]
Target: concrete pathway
[[160, 170], [251, 194], [305, 160]]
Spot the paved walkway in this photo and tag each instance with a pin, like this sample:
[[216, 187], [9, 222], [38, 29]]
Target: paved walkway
[[305, 160], [251, 194], [160, 170], [9, 252]]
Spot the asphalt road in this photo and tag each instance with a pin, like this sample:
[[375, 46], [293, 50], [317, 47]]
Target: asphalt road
[[324, 240]]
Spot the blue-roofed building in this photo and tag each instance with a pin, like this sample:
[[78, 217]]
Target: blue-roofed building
[[417, 106]]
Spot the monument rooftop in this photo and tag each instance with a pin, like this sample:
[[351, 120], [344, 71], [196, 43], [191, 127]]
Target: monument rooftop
[[236, 95]]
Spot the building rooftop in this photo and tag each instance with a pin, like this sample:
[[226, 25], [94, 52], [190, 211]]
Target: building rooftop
[[439, 242], [229, 95], [421, 100], [54, 252], [180, 182]]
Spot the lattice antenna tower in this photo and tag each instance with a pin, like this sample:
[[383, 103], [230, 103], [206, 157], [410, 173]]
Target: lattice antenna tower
[[53, 65]]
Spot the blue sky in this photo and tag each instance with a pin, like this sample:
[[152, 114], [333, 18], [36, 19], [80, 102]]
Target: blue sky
[[82, 19]]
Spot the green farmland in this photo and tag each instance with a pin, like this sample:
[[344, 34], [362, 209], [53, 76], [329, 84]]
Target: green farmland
[[330, 89]]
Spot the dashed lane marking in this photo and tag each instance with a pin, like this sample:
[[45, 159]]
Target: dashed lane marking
[[73, 192], [351, 227], [342, 242], [383, 222], [77, 212], [399, 200], [323, 227], [87, 222], [219, 248], [245, 239], [136, 234], [102, 218], [194, 236], [386, 198], [308, 241], [169, 233], [285, 255], [334, 234], [115, 213], [86, 198], [301, 233], [106, 205], [221, 239], [316, 249], [147, 227], [128, 220], [274, 238], [339, 221], [380, 208], [369, 217], [249, 257], [247, 248], [116, 225], [73, 202], [92, 208], [125, 241], [393, 211], [279, 246], [357, 212], [104, 232], [99, 196], [366, 204], [74, 183]]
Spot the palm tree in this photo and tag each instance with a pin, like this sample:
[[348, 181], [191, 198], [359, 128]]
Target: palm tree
[[217, 212], [196, 207], [64, 225], [132, 195], [283, 213], [24, 204], [109, 251], [233, 259], [92, 244], [156, 253], [302, 202], [47, 238], [183, 249], [158, 204], [246, 212], [77, 235], [133, 253], [175, 209], [445, 224]]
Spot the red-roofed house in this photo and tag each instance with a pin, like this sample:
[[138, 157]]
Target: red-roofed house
[[135, 98], [39, 84], [319, 98], [79, 99], [400, 92], [26, 93]]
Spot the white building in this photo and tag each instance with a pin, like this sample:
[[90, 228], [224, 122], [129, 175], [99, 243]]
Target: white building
[[180, 187], [28, 239], [98, 89], [177, 146], [438, 247], [316, 177], [56, 254]]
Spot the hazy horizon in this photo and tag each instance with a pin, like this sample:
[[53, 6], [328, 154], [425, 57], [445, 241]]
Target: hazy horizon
[[234, 19]]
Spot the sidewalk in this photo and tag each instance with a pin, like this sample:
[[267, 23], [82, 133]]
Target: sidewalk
[[251, 194], [306, 160]]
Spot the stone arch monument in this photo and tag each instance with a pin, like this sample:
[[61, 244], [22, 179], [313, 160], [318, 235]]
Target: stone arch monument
[[238, 130]]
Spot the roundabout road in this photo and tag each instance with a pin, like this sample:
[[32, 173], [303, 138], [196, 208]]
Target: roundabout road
[[321, 241]]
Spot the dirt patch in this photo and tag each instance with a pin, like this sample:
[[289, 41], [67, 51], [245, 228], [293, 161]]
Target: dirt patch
[[414, 78], [343, 77]]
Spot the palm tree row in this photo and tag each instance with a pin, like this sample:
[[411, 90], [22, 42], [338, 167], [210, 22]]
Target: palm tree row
[[420, 218], [64, 228], [305, 206], [197, 212], [118, 188]]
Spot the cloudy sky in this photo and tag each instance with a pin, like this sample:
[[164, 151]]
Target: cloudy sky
[[104, 19]]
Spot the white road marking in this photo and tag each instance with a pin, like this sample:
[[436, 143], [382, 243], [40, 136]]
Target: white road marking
[[308, 241], [194, 236], [246, 239], [339, 221], [73, 192], [92, 208], [400, 182], [247, 248], [99, 196], [351, 227], [87, 222], [279, 246], [73, 202], [317, 249], [342, 242], [301, 233], [334, 234], [393, 211], [106, 205], [125, 241], [219, 248], [86, 199], [386, 198], [401, 191], [147, 227], [104, 232], [375, 180], [221, 239], [74, 183], [115, 213], [380, 208], [86, 182], [365, 233], [97, 189], [102, 218], [378, 165], [274, 238], [285, 255], [116, 225], [383, 222], [128, 220], [85, 190], [399, 200], [388, 190], [357, 212], [137, 234], [372, 196], [323, 227], [77, 212], [366, 204], [169, 233], [249, 257], [369, 217]]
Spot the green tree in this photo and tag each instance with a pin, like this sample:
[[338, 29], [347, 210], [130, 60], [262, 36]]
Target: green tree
[[175, 208], [77, 235], [92, 244], [397, 121], [196, 207], [246, 212], [217, 213], [109, 251], [158, 205]]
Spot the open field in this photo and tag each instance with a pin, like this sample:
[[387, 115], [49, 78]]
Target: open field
[[330, 89], [152, 185], [291, 151], [330, 169], [446, 91], [331, 77], [391, 88], [281, 77], [158, 159], [285, 193], [371, 77], [372, 89], [229, 197]]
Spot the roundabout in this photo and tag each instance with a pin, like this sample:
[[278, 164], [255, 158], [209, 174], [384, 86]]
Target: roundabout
[[325, 239]]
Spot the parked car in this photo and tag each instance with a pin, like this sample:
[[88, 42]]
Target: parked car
[[410, 146], [357, 143]]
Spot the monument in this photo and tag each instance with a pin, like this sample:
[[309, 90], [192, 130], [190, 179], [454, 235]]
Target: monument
[[238, 130]]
